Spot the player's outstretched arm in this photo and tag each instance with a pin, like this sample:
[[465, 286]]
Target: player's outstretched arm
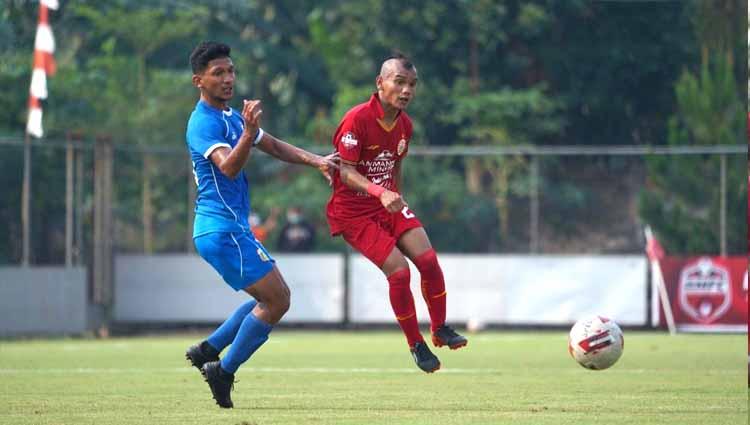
[[392, 201], [295, 155]]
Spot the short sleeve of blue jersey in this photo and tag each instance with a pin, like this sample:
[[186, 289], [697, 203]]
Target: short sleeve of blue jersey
[[204, 135]]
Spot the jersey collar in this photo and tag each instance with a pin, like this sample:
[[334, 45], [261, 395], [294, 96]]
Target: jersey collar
[[377, 107], [227, 112]]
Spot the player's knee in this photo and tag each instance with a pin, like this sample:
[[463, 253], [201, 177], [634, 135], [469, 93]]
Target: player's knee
[[279, 303], [394, 262], [285, 302], [427, 261], [400, 278]]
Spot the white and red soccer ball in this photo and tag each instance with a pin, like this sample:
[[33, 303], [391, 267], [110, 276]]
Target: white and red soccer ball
[[596, 342]]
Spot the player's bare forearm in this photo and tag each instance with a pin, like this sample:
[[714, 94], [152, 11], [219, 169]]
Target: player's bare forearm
[[352, 178], [231, 161], [292, 154], [287, 152]]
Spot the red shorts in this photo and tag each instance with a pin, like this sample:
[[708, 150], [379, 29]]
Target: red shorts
[[375, 235]]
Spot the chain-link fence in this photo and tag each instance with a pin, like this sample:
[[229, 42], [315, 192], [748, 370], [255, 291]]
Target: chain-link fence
[[562, 200]]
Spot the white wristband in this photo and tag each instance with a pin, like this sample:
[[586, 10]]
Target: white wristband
[[258, 137]]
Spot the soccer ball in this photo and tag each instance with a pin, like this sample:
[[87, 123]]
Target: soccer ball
[[596, 342]]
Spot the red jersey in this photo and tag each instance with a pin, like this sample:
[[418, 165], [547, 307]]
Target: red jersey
[[377, 149]]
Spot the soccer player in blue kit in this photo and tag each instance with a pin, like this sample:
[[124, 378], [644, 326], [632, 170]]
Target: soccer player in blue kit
[[220, 140]]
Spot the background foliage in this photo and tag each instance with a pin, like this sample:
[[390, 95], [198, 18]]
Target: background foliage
[[516, 72]]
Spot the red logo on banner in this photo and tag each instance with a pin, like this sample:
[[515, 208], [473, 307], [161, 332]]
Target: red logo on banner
[[705, 291]]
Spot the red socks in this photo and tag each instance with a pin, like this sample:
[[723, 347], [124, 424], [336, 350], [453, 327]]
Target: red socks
[[402, 303], [433, 291], [433, 287]]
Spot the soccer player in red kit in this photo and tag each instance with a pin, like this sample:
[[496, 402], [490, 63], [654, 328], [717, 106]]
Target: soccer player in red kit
[[368, 211]]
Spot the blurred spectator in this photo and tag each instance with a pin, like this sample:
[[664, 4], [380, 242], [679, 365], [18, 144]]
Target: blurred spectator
[[261, 229], [297, 235]]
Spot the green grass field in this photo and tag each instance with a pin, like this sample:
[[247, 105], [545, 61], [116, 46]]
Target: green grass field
[[314, 377]]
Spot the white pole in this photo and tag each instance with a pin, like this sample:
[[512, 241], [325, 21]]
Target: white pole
[[26, 203], [658, 276], [663, 296]]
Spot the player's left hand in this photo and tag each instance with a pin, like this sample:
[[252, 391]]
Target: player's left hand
[[327, 163], [251, 113]]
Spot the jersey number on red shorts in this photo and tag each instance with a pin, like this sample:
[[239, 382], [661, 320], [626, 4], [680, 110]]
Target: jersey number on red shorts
[[408, 214]]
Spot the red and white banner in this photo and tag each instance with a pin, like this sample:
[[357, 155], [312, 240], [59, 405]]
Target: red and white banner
[[44, 65], [706, 294]]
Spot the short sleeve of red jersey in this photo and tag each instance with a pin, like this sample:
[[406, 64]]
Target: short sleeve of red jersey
[[348, 139]]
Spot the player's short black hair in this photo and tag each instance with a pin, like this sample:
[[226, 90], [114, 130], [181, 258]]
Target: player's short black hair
[[402, 58], [205, 52]]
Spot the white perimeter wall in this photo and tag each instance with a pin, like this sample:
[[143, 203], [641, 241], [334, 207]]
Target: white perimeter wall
[[492, 289], [42, 300], [184, 288]]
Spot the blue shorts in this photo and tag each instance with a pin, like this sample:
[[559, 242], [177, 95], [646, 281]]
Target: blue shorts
[[238, 257]]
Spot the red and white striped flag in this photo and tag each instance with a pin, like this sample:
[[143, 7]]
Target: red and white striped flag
[[44, 65]]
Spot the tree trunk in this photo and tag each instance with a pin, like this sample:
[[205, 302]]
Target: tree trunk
[[474, 168], [500, 183], [147, 204], [473, 176]]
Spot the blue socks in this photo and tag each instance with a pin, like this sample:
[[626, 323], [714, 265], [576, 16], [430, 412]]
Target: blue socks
[[252, 334], [244, 331], [225, 334]]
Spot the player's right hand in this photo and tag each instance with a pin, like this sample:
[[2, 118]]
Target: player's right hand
[[392, 201], [327, 165]]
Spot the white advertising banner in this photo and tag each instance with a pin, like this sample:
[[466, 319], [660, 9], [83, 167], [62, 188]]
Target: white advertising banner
[[510, 290], [489, 289]]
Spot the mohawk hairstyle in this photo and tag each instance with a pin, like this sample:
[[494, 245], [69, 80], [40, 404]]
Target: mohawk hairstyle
[[401, 57], [205, 52]]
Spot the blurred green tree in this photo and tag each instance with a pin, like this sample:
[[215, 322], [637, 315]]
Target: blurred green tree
[[498, 73], [681, 201], [134, 96]]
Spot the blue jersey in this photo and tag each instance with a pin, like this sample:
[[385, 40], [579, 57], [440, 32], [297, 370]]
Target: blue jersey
[[222, 204]]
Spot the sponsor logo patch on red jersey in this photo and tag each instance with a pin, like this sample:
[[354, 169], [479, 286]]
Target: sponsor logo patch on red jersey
[[349, 140], [379, 170]]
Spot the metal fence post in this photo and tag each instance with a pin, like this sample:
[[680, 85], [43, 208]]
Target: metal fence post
[[26, 202], [723, 206], [346, 319], [69, 203], [534, 206], [79, 187], [102, 268]]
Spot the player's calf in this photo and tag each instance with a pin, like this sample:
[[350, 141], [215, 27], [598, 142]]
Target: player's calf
[[445, 335]]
